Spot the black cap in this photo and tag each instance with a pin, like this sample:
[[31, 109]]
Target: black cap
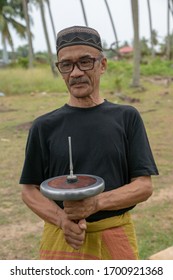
[[78, 35]]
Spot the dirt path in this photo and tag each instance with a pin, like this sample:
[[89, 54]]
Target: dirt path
[[13, 231]]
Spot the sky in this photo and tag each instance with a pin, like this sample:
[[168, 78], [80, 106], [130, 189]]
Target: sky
[[68, 12]]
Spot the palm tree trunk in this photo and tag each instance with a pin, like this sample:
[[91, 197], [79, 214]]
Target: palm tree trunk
[[84, 13], [112, 23], [171, 9], [168, 43], [4, 52], [25, 10], [150, 24], [51, 19], [136, 43], [50, 55]]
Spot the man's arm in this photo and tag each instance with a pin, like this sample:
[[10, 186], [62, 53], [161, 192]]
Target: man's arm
[[46, 209], [49, 211], [138, 190]]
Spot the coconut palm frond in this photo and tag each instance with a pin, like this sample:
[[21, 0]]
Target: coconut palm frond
[[19, 27]]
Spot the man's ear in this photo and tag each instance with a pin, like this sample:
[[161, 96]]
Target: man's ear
[[103, 65]]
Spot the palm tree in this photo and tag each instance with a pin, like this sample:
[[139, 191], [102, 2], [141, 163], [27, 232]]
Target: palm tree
[[50, 55], [8, 13], [171, 9], [112, 23], [168, 41], [136, 43], [84, 13], [29, 35], [151, 29], [51, 18]]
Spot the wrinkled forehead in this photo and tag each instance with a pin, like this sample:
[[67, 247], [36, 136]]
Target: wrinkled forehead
[[77, 52]]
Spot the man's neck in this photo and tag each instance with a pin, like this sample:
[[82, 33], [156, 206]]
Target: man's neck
[[85, 102]]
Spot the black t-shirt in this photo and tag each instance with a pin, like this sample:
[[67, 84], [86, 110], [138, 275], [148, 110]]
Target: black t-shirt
[[108, 140]]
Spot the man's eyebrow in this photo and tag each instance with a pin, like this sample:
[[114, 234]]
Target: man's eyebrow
[[65, 59], [85, 56]]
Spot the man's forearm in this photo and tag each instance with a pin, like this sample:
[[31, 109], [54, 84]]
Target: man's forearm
[[46, 209], [139, 190]]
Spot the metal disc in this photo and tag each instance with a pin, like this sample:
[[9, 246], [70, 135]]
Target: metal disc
[[58, 188]]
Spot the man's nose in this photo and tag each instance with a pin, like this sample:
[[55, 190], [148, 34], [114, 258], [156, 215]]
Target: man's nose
[[76, 72]]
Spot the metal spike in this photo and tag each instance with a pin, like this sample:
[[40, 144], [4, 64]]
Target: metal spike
[[71, 178]]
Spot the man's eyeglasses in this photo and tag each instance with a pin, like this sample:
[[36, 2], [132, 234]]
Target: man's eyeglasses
[[84, 64]]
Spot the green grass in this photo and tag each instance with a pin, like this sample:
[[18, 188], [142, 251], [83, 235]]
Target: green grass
[[153, 235], [20, 228], [17, 81], [157, 66]]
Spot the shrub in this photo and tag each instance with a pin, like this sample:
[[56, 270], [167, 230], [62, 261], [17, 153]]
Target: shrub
[[23, 62]]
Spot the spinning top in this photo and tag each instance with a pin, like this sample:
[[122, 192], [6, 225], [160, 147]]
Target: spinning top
[[72, 187]]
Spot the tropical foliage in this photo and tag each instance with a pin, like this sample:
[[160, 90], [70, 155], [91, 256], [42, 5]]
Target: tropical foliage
[[10, 14]]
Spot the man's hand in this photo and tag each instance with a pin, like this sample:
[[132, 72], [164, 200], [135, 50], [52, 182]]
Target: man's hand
[[74, 232], [48, 210], [81, 209]]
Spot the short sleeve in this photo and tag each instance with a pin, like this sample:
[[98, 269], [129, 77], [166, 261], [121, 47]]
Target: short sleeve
[[33, 168], [140, 160]]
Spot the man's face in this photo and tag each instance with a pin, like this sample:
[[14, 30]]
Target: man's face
[[82, 83]]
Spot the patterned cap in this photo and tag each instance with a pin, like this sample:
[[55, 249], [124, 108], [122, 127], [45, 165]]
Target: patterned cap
[[78, 35]]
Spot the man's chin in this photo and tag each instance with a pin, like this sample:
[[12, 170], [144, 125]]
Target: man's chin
[[80, 90], [80, 95]]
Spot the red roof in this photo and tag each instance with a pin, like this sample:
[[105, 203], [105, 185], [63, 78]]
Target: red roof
[[125, 50]]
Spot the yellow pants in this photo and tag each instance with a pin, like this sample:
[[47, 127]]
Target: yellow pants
[[108, 239]]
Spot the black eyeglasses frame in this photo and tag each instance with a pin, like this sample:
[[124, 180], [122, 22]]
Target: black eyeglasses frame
[[93, 59]]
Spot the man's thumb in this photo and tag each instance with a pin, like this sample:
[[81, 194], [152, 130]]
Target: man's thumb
[[82, 224]]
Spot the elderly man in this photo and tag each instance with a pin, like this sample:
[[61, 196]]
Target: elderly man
[[109, 140]]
